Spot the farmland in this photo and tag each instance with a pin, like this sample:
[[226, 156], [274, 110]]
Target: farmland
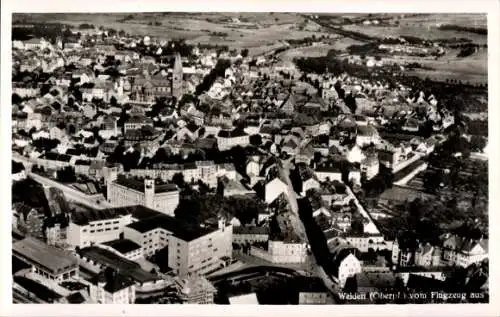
[[264, 32], [250, 30]]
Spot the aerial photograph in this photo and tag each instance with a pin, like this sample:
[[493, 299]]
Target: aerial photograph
[[267, 158]]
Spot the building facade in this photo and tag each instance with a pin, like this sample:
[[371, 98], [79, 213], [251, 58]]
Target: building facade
[[127, 191]]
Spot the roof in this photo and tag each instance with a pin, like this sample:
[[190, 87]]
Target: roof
[[231, 133], [114, 281], [418, 282], [366, 130], [56, 157], [123, 245], [138, 185], [51, 258], [140, 119], [251, 230], [181, 230], [75, 298], [465, 245], [114, 261], [90, 215]]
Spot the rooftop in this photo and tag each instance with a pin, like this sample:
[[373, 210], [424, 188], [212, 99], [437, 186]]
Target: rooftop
[[90, 215], [138, 185], [114, 281], [51, 258], [181, 230], [116, 262], [250, 230], [123, 245]]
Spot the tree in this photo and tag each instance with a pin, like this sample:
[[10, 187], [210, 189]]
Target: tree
[[16, 99], [113, 101], [256, 139], [178, 179], [66, 175], [351, 285], [220, 189], [244, 52]]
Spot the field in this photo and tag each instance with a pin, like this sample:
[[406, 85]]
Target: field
[[426, 26], [421, 30], [473, 69], [253, 30], [263, 32]]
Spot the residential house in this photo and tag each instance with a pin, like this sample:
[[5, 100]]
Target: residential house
[[226, 139], [428, 256], [137, 122], [366, 135], [345, 262], [111, 287], [328, 171], [461, 251], [250, 234], [369, 167]]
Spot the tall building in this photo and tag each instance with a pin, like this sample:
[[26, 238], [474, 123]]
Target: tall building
[[177, 82], [191, 249], [97, 226], [124, 191]]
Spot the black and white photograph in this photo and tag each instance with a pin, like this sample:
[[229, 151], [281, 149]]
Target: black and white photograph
[[255, 158]]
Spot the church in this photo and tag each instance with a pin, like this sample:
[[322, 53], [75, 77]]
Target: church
[[148, 87]]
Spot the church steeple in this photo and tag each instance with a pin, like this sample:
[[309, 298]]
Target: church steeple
[[177, 83]]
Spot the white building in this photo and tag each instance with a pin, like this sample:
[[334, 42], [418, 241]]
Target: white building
[[97, 226], [188, 246], [274, 188], [282, 252], [124, 191], [345, 263], [370, 167], [227, 139]]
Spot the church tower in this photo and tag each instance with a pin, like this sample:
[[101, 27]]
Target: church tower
[[177, 78]]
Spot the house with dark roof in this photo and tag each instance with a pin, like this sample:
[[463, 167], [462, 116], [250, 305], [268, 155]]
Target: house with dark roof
[[345, 263], [111, 287], [462, 251], [47, 261], [226, 139], [250, 234]]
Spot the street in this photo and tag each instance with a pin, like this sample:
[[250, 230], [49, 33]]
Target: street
[[300, 229], [72, 194]]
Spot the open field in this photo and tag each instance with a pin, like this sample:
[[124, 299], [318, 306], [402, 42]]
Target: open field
[[472, 68], [253, 29], [422, 30], [461, 19], [340, 43]]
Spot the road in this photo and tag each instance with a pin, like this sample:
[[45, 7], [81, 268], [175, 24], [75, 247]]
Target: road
[[72, 194], [317, 269], [291, 196]]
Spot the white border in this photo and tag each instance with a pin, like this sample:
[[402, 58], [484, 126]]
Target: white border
[[475, 6]]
